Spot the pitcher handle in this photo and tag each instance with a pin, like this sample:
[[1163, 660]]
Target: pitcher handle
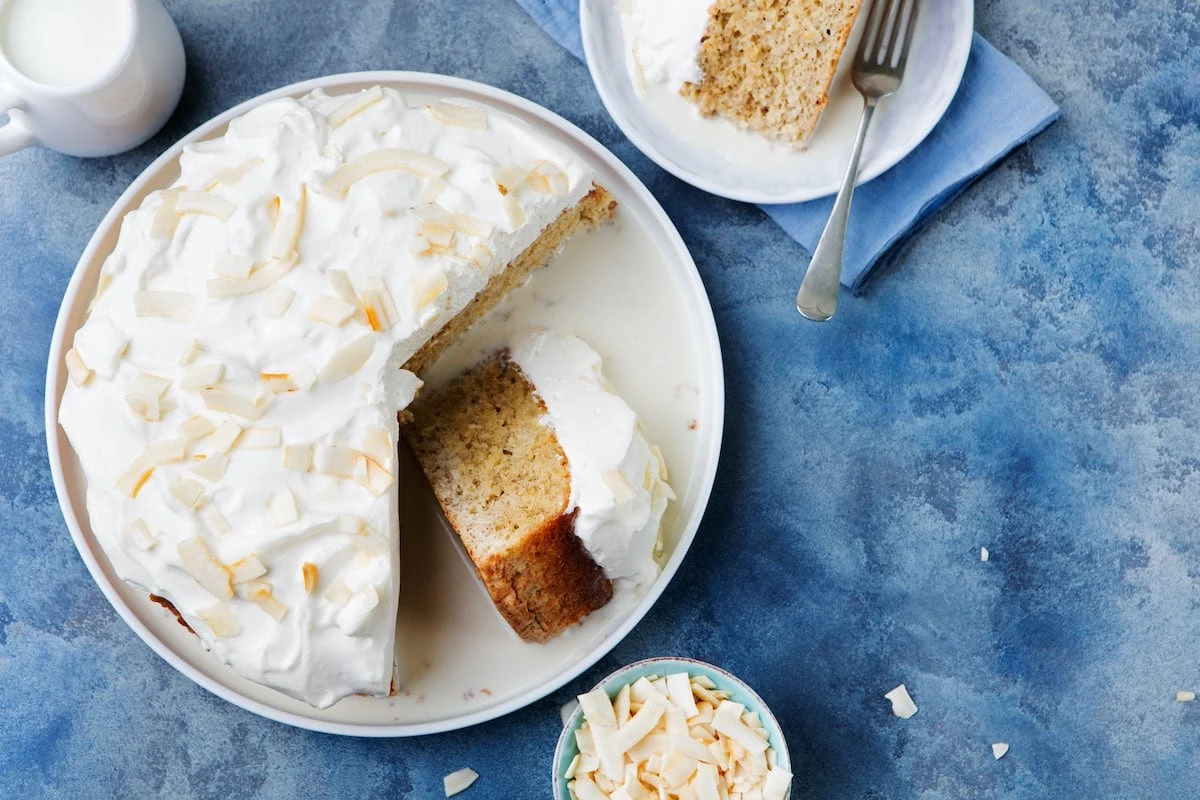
[[14, 135]]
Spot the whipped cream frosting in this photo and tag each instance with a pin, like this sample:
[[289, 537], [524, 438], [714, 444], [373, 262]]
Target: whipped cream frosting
[[234, 389], [618, 480], [663, 37]]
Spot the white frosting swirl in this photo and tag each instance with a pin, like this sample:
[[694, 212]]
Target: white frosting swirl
[[145, 363], [618, 481]]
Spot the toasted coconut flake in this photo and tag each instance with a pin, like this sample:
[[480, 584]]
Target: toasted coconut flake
[[427, 286], [437, 233], [260, 593], [554, 176], [339, 593], [303, 375], [189, 353], [458, 115], [288, 225], [343, 287], [221, 620], [204, 203], [459, 781], [902, 703], [297, 457], [419, 245], [226, 436], [429, 212], [481, 256], [165, 219], [175, 306], [335, 460], [379, 480], [513, 211], [378, 446], [227, 265], [212, 468], [259, 279], [349, 360], [432, 189], [145, 406], [283, 508], [145, 383], [140, 534], [386, 159], [615, 480], [156, 454], [247, 569], [208, 572], [279, 299], [662, 462], [509, 178], [353, 106], [277, 382], [330, 310], [201, 376], [80, 373], [376, 311], [232, 175], [471, 226], [212, 517], [354, 615], [260, 438], [308, 571], [375, 284], [539, 183], [187, 492], [229, 403]]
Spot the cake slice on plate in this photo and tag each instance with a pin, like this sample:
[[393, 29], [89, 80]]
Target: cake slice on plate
[[766, 66], [546, 477]]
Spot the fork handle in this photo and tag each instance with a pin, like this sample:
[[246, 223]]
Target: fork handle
[[818, 295]]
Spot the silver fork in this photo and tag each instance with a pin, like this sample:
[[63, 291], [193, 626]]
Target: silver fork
[[878, 69]]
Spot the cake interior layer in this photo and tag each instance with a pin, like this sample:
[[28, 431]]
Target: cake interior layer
[[767, 65], [504, 484], [595, 207]]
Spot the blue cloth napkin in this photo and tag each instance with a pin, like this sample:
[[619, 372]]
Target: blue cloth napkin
[[997, 108]]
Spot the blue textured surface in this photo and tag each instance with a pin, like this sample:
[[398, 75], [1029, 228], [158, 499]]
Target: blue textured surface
[[1022, 377]]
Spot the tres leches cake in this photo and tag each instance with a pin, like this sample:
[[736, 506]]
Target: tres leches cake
[[234, 390], [546, 477], [765, 65]]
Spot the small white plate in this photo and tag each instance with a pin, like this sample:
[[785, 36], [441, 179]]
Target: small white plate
[[716, 156], [630, 289]]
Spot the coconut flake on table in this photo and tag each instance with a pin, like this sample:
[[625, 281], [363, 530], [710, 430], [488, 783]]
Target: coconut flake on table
[[459, 781], [999, 749], [902, 703]]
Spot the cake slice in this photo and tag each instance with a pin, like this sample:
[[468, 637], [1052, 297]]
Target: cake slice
[[259, 325], [544, 474], [765, 65]]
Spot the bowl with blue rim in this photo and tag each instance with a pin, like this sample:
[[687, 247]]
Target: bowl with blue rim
[[725, 686]]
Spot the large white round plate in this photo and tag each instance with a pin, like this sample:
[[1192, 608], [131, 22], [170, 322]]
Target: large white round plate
[[714, 155], [630, 289]]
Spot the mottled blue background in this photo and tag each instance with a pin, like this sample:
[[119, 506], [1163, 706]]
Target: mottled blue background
[[1022, 377]]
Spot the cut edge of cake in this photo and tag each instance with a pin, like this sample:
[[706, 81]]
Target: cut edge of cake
[[595, 207], [504, 485]]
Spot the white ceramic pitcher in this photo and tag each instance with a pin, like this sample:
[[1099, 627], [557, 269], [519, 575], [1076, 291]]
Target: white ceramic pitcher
[[110, 108]]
